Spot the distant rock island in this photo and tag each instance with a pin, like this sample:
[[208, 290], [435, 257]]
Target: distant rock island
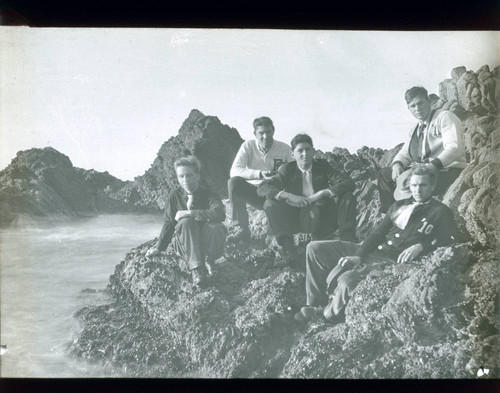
[[436, 317]]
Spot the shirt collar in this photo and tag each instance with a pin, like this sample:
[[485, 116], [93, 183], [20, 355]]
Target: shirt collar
[[413, 201], [304, 170], [262, 150]]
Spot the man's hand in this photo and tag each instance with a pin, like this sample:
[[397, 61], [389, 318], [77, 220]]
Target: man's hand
[[397, 170], [297, 201], [319, 195], [152, 252], [351, 262], [410, 253], [182, 214], [267, 174]]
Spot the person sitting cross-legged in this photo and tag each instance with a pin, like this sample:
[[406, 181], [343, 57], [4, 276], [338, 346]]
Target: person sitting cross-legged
[[193, 222], [410, 229], [308, 187]]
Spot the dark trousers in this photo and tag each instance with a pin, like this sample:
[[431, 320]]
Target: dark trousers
[[386, 185], [194, 240], [240, 193], [322, 259], [334, 214]]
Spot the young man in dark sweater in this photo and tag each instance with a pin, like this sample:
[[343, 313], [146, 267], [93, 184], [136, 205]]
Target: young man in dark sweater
[[193, 222]]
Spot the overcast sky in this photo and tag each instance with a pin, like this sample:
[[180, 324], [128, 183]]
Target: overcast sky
[[108, 98]]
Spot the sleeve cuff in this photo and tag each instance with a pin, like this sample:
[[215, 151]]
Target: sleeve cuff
[[398, 162]]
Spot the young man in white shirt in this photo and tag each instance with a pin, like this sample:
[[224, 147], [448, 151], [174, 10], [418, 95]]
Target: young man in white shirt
[[255, 161]]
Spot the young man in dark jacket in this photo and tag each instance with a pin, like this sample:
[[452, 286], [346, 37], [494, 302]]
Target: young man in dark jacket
[[193, 222], [411, 228], [308, 191]]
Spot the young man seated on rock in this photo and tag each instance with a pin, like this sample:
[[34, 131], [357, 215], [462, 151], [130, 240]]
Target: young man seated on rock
[[193, 222], [256, 160], [308, 191], [437, 139], [410, 229]]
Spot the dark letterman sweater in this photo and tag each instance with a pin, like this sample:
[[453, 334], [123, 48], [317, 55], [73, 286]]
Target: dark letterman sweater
[[430, 224]]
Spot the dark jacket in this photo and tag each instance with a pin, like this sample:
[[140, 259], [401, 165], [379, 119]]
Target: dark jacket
[[289, 179], [431, 224], [206, 206]]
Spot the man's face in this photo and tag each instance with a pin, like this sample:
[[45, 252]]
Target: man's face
[[264, 136], [303, 154], [188, 178], [421, 188], [420, 107]]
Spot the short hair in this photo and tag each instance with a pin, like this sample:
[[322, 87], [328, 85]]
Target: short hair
[[415, 91], [262, 121], [424, 170], [301, 138], [190, 161]]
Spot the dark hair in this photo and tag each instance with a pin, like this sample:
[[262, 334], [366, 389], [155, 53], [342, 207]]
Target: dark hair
[[264, 122], [190, 161], [301, 138], [424, 170], [415, 91]]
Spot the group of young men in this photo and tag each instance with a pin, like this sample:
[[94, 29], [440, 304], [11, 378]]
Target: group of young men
[[302, 194]]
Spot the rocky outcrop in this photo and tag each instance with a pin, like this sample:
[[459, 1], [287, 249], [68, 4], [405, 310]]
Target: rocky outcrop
[[436, 317], [215, 145], [42, 183]]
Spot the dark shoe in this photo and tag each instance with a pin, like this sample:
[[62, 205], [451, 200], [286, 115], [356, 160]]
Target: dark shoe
[[239, 234], [309, 314], [199, 276], [331, 317]]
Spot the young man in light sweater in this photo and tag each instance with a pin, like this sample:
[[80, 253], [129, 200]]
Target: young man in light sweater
[[255, 161], [437, 140]]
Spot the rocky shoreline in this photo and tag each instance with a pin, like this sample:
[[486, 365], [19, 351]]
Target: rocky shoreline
[[433, 318]]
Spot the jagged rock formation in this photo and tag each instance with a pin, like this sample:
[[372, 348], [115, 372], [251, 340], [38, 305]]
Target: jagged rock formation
[[436, 317], [207, 138], [44, 183]]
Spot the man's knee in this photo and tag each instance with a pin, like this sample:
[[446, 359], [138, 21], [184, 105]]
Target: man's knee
[[186, 224], [235, 183], [315, 248], [271, 204]]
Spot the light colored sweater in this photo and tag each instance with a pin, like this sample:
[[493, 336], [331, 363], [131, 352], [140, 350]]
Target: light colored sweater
[[443, 141], [250, 161]]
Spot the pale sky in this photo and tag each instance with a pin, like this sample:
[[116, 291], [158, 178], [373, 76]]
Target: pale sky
[[109, 97]]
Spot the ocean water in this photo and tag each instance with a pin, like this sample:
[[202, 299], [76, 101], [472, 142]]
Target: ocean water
[[47, 273]]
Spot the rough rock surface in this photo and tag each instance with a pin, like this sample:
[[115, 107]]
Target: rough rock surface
[[44, 183], [436, 317]]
